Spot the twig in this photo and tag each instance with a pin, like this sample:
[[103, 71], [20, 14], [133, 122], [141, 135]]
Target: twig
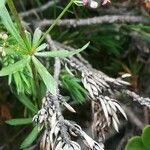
[[39, 9], [95, 20], [57, 64], [143, 101]]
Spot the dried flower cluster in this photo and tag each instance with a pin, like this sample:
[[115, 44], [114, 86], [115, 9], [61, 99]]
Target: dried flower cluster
[[102, 90], [105, 114], [58, 132]]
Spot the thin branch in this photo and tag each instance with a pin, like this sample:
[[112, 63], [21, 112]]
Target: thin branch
[[39, 9], [57, 65], [96, 20], [143, 101]]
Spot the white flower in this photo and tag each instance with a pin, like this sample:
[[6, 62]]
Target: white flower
[[94, 4]]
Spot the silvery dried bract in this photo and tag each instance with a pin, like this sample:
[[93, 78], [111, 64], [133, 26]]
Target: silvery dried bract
[[68, 146], [105, 114], [69, 107], [41, 116], [89, 142], [44, 115], [52, 140], [98, 84], [56, 135]]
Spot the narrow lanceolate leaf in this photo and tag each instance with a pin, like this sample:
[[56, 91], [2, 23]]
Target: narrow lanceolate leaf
[[2, 3], [45, 75], [19, 121], [36, 37], [30, 138], [14, 67], [41, 47], [27, 102], [61, 53], [6, 20]]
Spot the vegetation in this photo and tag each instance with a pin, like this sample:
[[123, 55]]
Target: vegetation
[[69, 79]]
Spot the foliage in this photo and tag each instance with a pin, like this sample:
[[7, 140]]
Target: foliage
[[140, 142], [72, 84], [30, 138], [24, 55], [20, 50]]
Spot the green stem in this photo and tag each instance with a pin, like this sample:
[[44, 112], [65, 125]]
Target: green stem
[[18, 20], [36, 97], [55, 21]]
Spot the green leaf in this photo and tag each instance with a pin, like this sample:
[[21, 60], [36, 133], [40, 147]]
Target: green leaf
[[41, 47], [19, 121], [29, 38], [2, 3], [62, 53], [45, 75], [146, 136], [135, 143], [6, 20], [18, 82], [36, 37], [27, 102], [25, 79], [14, 67], [77, 92], [30, 138]]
